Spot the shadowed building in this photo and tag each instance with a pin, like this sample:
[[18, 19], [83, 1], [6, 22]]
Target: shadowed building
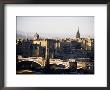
[[49, 46]]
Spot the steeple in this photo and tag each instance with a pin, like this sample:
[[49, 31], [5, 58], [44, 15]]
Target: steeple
[[78, 34], [78, 28]]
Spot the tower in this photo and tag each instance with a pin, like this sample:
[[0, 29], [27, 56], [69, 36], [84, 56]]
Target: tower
[[36, 36], [78, 34]]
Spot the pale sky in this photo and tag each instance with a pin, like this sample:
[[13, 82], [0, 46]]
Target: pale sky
[[52, 27]]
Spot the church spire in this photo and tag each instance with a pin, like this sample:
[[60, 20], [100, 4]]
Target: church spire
[[78, 30], [78, 34]]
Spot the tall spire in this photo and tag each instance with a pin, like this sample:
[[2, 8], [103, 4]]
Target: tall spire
[[78, 34]]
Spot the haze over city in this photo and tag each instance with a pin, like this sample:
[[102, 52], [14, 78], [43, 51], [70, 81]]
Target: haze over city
[[55, 45], [55, 27]]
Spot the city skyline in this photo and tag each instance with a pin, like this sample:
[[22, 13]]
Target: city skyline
[[55, 45], [55, 27]]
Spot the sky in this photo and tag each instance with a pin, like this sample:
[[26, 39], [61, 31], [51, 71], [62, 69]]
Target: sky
[[56, 27]]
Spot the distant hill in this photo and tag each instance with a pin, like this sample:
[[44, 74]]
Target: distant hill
[[22, 35]]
